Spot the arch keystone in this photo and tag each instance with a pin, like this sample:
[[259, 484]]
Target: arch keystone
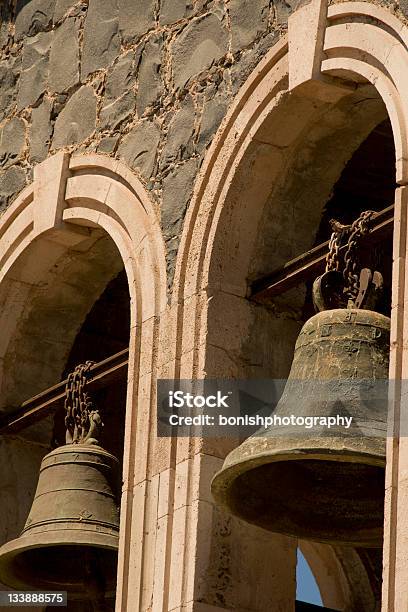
[[49, 191]]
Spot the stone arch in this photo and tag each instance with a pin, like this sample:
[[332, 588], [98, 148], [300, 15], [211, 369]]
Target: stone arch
[[298, 94], [378, 55], [340, 575], [50, 230], [83, 218]]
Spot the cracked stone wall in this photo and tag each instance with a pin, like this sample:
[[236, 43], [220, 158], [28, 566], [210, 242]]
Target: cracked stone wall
[[147, 81]]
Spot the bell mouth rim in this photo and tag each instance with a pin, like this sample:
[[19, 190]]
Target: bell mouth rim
[[223, 478], [11, 549], [26, 542]]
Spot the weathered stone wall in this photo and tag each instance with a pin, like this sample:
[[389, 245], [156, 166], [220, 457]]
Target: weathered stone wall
[[148, 81]]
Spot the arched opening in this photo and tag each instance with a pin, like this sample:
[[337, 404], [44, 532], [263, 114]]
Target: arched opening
[[280, 168], [87, 267], [367, 182], [55, 287], [293, 177], [78, 310], [337, 570]]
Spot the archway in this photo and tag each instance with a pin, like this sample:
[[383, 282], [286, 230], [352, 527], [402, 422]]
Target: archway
[[64, 239], [279, 152]]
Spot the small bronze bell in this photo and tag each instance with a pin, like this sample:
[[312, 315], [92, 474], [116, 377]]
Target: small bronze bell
[[324, 485], [70, 539]]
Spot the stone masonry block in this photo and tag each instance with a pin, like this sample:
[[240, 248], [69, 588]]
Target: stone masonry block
[[241, 69], [12, 140], [34, 69], [101, 39], [33, 16], [202, 42], [177, 190], [5, 19], [120, 78], [61, 8], [284, 8], [136, 17], [77, 120], [174, 10], [41, 131], [64, 56], [150, 83], [8, 85], [108, 144], [403, 4], [179, 141], [214, 111], [114, 114], [249, 19], [11, 182], [139, 147]]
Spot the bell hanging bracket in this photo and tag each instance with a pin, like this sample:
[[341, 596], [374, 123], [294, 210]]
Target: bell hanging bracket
[[82, 420], [343, 284]]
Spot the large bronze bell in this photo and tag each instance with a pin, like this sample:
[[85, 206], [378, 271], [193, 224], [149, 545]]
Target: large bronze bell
[[325, 484], [70, 539], [74, 517]]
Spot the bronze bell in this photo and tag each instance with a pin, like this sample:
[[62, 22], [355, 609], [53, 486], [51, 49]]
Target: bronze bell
[[325, 485], [70, 539]]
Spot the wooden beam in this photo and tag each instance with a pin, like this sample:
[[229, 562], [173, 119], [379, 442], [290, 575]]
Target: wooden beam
[[312, 263], [36, 408]]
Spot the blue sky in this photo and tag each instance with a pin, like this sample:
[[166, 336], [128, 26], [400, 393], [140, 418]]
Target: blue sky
[[306, 586]]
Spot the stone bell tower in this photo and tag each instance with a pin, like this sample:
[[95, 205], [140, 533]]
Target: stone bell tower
[[168, 172]]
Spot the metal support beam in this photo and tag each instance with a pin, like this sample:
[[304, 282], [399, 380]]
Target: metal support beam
[[312, 263]]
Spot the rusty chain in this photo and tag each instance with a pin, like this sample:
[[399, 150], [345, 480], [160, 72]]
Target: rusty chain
[[332, 257], [358, 228], [353, 233], [82, 420]]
